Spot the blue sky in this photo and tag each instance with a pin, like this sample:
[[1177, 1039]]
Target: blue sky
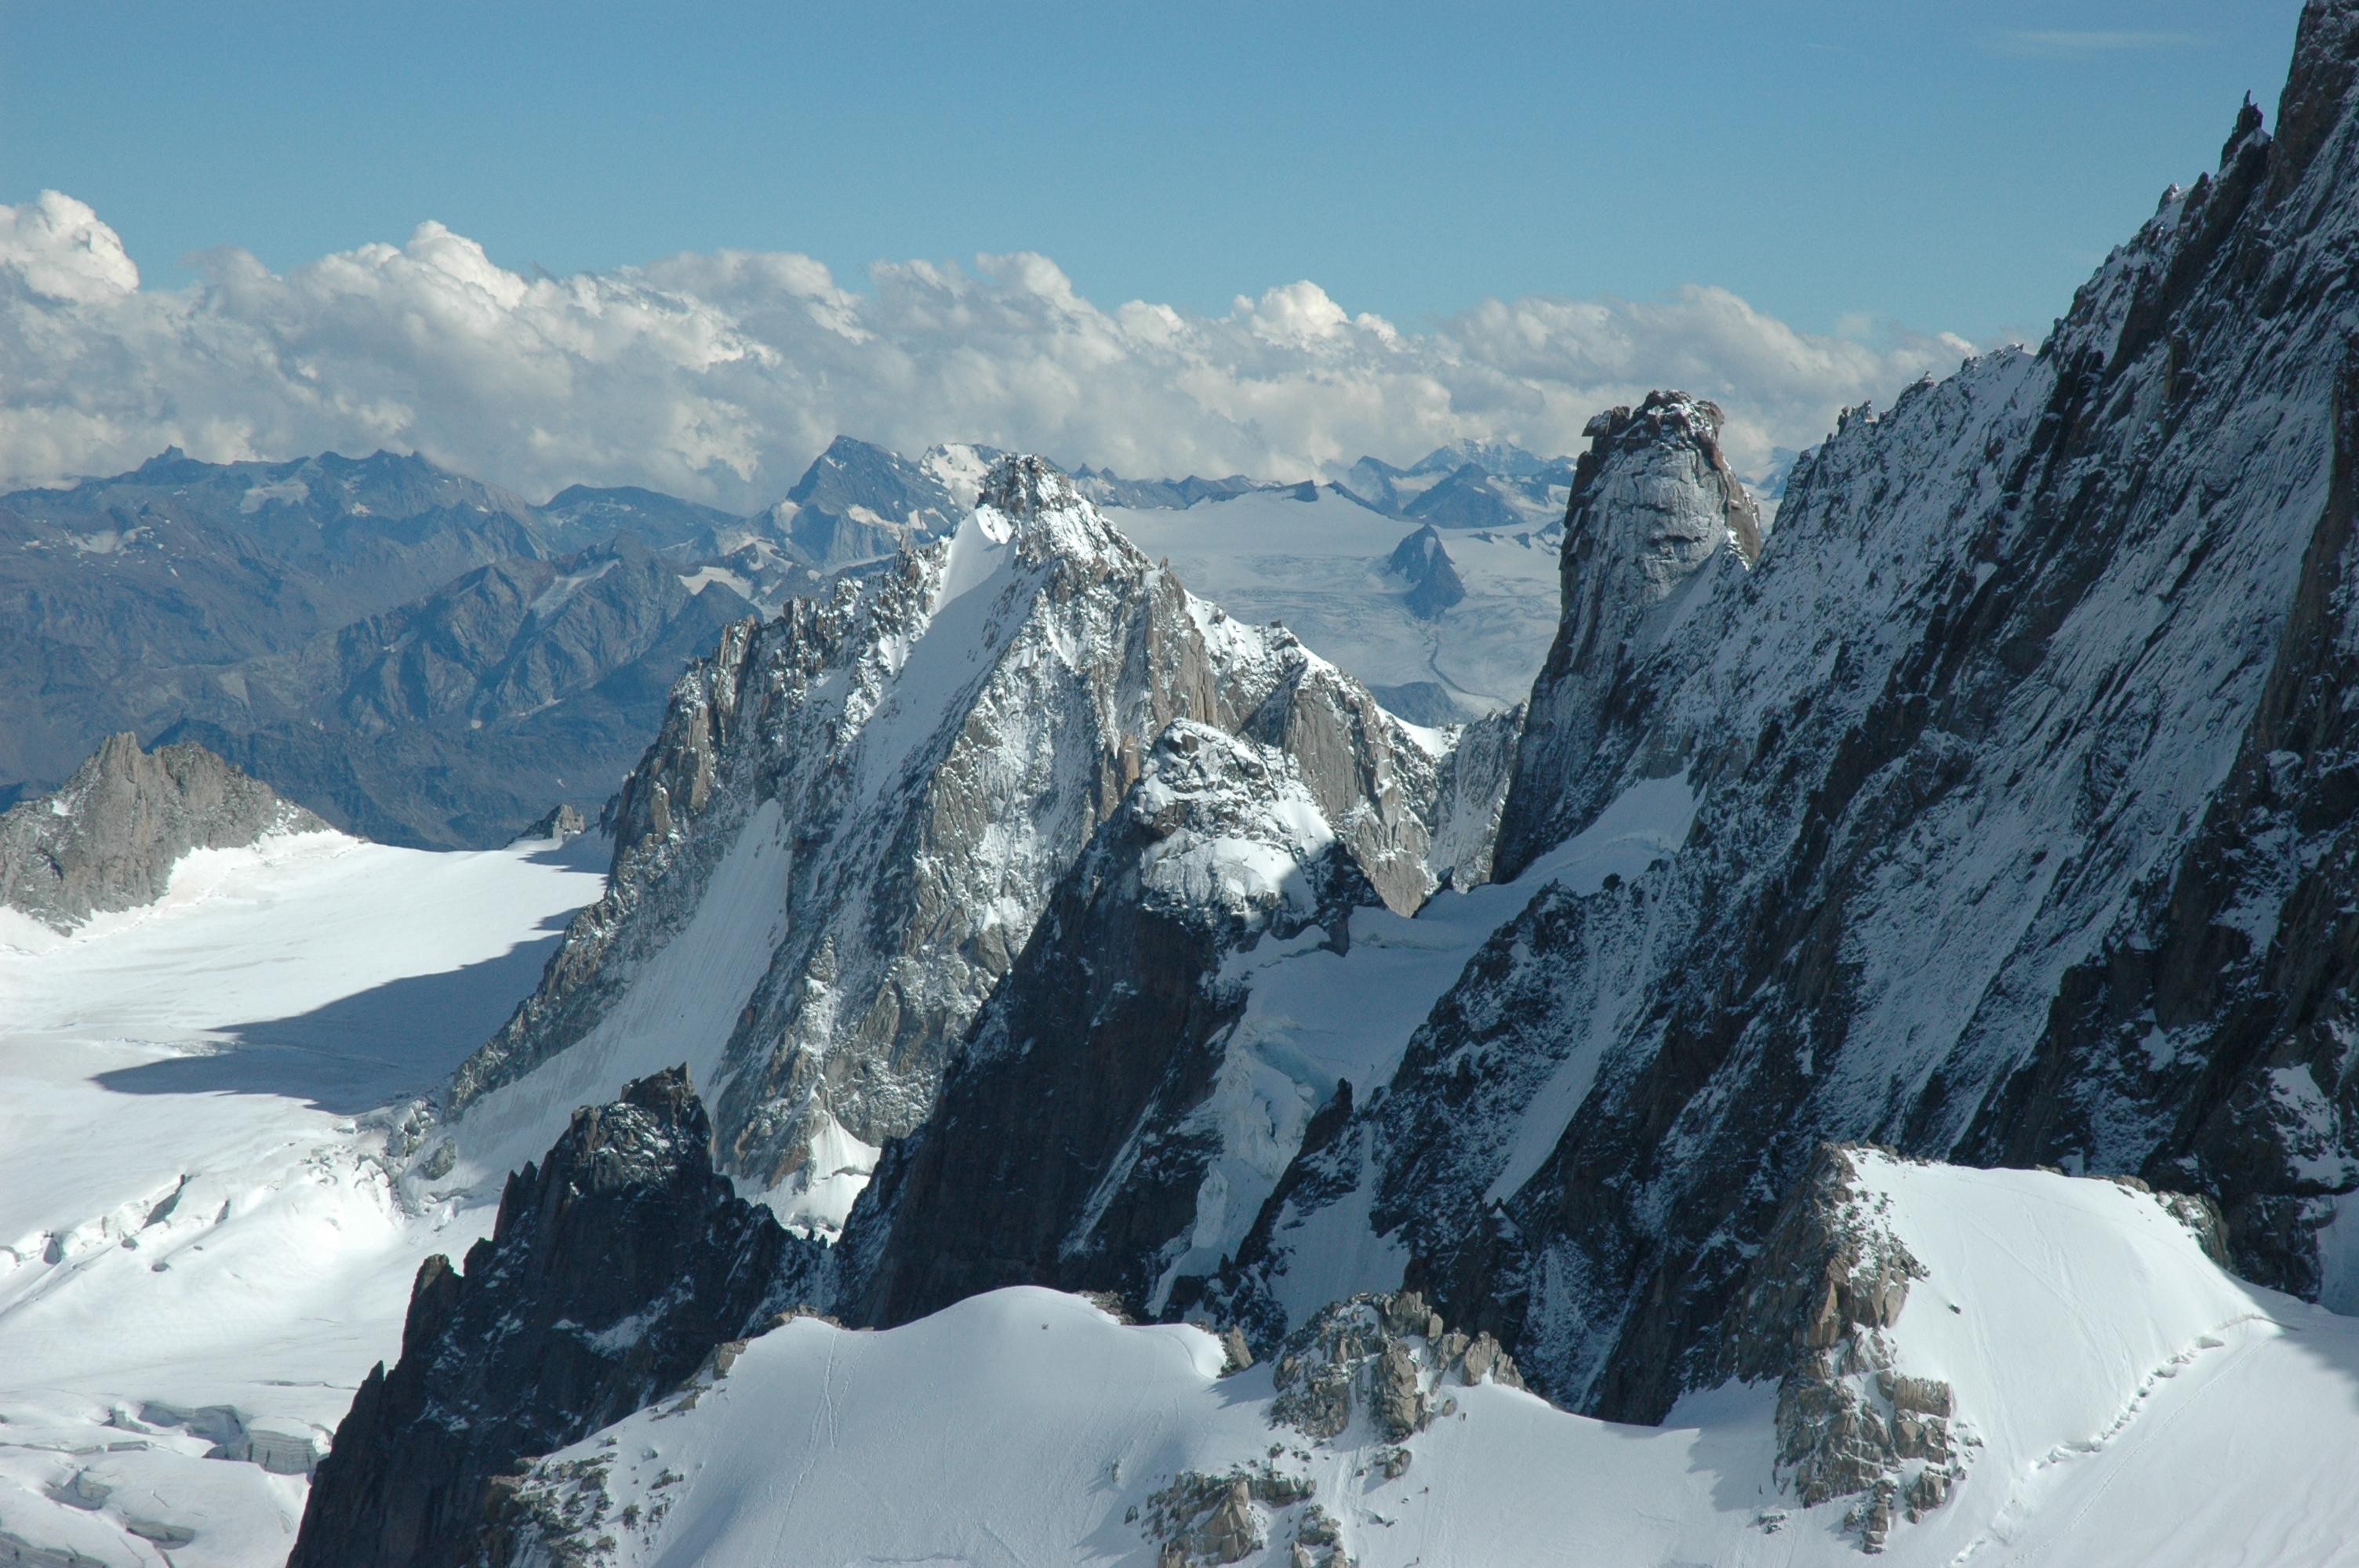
[[1956, 167]]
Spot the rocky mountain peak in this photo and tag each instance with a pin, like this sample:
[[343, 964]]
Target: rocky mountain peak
[[892, 785], [1022, 485], [2325, 62], [1661, 454], [108, 839], [1424, 562], [618, 1263], [2022, 804], [1655, 517]]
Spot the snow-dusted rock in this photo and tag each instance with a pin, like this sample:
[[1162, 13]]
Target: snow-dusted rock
[[1422, 561], [108, 839], [1657, 519], [1110, 1044], [2022, 809], [616, 1267], [870, 800], [2115, 1399]]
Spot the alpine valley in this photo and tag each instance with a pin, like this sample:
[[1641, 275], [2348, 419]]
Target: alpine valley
[[1505, 1011]]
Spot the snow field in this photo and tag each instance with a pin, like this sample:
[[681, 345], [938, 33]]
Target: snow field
[[2129, 1403], [1318, 565], [200, 1250]]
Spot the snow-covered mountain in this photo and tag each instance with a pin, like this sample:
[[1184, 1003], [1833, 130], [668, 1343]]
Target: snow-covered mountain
[[857, 813], [2013, 823], [1853, 1060], [1988, 810], [1944, 1365], [1332, 568], [1467, 484]]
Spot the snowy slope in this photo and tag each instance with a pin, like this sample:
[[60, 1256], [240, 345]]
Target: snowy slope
[[855, 813], [2118, 1400], [2023, 832], [1318, 565], [199, 1247]]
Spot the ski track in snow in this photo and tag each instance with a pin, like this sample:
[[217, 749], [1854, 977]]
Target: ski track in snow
[[2131, 1404]]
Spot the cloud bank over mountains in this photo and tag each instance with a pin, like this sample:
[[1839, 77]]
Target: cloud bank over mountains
[[719, 376]]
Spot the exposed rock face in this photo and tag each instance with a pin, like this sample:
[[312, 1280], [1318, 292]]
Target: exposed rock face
[[1423, 562], [121, 598], [859, 502], [1657, 518], [616, 1268], [447, 720], [559, 822], [109, 840], [1813, 1314], [1474, 793], [417, 656], [1109, 1042], [1389, 1356], [2024, 802], [937, 744]]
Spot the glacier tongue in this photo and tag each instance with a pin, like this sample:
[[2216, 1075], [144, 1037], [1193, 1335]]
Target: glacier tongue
[[856, 813]]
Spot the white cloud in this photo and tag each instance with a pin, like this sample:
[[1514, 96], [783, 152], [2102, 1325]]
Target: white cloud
[[720, 376]]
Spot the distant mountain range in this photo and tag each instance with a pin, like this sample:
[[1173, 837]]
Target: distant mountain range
[[425, 659]]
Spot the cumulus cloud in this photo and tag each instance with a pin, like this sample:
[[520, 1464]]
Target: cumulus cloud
[[720, 376]]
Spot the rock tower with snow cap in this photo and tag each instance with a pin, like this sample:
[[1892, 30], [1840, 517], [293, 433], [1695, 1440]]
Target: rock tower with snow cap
[[1655, 517], [1024, 485]]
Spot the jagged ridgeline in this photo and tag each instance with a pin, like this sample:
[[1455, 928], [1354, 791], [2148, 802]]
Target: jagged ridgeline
[[2022, 831], [856, 815], [1996, 809], [422, 658], [108, 839]]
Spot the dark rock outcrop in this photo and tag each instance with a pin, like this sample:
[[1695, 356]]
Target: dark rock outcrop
[[617, 1265], [108, 840], [560, 822], [1423, 562], [1104, 1042]]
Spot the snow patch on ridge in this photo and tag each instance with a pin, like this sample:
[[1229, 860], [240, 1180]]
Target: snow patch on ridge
[[2122, 1402]]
